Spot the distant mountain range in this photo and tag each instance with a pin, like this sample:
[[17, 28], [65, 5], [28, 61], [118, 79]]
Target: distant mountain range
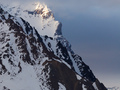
[[114, 88]]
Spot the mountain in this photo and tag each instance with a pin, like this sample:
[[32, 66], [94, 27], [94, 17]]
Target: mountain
[[114, 88], [34, 55]]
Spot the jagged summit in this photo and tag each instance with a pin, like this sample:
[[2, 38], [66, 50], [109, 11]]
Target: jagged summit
[[43, 10], [39, 16]]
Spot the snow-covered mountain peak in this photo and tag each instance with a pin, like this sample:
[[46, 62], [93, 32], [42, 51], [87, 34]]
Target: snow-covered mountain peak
[[31, 60], [44, 10], [38, 15]]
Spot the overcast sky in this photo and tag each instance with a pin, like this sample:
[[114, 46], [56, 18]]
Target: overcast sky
[[93, 29]]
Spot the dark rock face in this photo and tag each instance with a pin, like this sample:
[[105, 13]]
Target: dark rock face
[[60, 73], [21, 46], [59, 29], [41, 12]]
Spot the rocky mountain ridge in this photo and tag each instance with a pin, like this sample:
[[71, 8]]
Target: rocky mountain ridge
[[40, 61]]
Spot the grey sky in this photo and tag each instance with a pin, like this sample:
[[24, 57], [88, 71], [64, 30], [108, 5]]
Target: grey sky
[[93, 29], [94, 35]]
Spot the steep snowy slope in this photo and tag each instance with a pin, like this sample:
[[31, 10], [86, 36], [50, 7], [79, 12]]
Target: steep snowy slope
[[33, 59]]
